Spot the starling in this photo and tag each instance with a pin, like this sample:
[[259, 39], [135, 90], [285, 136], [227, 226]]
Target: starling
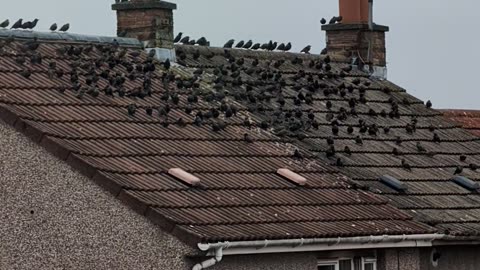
[[132, 108], [463, 158], [335, 130], [178, 37], [180, 122], [256, 46], [339, 162], [358, 140], [458, 170], [473, 167], [429, 104], [306, 49], [281, 47], [323, 21], [202, 41], [347, 151], [26, 73], [185, 40], [248, 44], [17, 24], [395, 151], [65, 28], [406, 165], [240, 44], [229, 43], [436, 138], [53, 27], [421, 148], [166, 64], [30, 25], [247, 138], [398, 140], [330, 141], [297, 154], [198, 121], [4, 24], [149, 111], [350, 130]]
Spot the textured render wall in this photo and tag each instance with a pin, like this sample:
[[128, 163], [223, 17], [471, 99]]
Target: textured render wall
[[454, 257], [399, 259], [54, 218], [299, 261]]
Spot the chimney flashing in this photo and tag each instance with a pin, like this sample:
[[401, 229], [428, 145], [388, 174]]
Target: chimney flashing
[[144, 5], [357, 26]]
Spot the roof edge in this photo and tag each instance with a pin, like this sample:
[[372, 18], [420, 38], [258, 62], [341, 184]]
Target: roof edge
[[144, 5], [69, 37], [360, 26], [321, 244]]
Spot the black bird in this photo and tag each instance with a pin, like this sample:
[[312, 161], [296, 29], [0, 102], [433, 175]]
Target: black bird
[[458, 170], [421, 148], [167, 64], [248, 44], [30, 25], [436, 138], [297, 154], [26, 73], [395, 151], [5, 23], [185, 40], [132, 108], [358, 140], [406, 165], [149, 111], [330, 141], [323, 21], [306, 49], [429, 104], [288, 47], [398, 140], [53, 27], [473, 167], [350, 130], [463, 158], [240, 44], [247, 138], [17, 24], [64, 28], [202, 41], [178, 37], [256, 46], [347, 151], [229, 43], [339, 162], [281, 47]]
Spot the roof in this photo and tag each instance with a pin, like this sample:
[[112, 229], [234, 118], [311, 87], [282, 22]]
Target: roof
[[240, 196], [432, 197], [469, 119]]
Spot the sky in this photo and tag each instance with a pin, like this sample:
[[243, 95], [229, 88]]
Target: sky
[[432, 47]]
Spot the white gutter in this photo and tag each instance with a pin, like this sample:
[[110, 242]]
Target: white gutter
[[320, 244], [218, 255]]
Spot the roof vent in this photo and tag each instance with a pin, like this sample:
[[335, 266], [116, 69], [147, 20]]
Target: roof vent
[[294, 177], [184, 176], [466, 183], [394, 183]]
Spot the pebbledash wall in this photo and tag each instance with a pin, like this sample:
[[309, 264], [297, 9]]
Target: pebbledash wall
[[52, 217]]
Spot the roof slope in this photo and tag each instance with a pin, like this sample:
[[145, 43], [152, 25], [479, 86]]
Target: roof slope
[[240, 196], [469, 119], [385, 117]]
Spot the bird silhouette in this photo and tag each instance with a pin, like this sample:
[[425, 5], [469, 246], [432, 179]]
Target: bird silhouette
[[323, 21], [306, 49], [248, 45], [185, 40], [17, 24], [64, 28], [178, 37], [421, 148], [463, 158], [348, 151], [240, 44], [458, 170], [429, 104], [297, 154], [358, 140], [53, 27], [131, 109], [247, 138], [30, 25], [256, 46], [473, 167], [229, 43], [202, 41], [406, 165], [281, 47], [5, 24], [288, 47], [436, 138], [339, 162]]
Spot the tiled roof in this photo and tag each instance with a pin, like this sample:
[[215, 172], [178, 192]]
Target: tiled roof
[[469, 119], [240, 196], [431, 147]]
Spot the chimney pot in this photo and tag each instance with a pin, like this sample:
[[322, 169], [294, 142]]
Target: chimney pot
[[354, 11], [150, 21]]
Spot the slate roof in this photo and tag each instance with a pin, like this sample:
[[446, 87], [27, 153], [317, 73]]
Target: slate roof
[[432, 196], [469, 119], [240, 196]]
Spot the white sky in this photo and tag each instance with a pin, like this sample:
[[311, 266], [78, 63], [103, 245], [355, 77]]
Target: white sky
[[432, 46]]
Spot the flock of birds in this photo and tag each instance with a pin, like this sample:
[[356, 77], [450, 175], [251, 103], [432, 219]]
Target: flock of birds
[[29, 25], [266, 95]]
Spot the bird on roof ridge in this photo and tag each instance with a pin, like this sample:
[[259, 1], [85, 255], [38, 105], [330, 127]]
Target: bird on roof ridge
[[4, 24], [65, 28], [17, 24]]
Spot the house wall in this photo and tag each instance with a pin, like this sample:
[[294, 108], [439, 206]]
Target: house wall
[[399, 259], [453, 257], [54, 218]]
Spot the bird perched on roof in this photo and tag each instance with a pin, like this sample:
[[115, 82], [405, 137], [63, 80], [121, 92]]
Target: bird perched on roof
[[458, 170], [17, 24], [229, 43], [30, 25], [297, 154], [306, 49], [64, 28], [178, 37], [288, 47], [421, 148], [256, 46], [4, 24], [185, 40], [323, 21], [406, 165], [248, 45], [202, 41], [53, 27], [429, 104], [247, 138], [240, 44]]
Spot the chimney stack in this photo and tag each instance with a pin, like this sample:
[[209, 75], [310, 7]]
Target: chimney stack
[[150, 21], [358, 37]]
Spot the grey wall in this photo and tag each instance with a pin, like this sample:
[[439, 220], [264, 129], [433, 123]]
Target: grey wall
[[454, 257], [399, 259], [54, 218], [299, 261]]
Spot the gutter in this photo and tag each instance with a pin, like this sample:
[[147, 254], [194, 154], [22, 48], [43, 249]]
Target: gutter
[[320, 244]]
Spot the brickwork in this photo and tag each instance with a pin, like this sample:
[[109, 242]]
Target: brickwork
[[147, 21]]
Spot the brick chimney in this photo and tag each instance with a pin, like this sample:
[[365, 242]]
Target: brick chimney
[[150, 21], [357, 36]]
